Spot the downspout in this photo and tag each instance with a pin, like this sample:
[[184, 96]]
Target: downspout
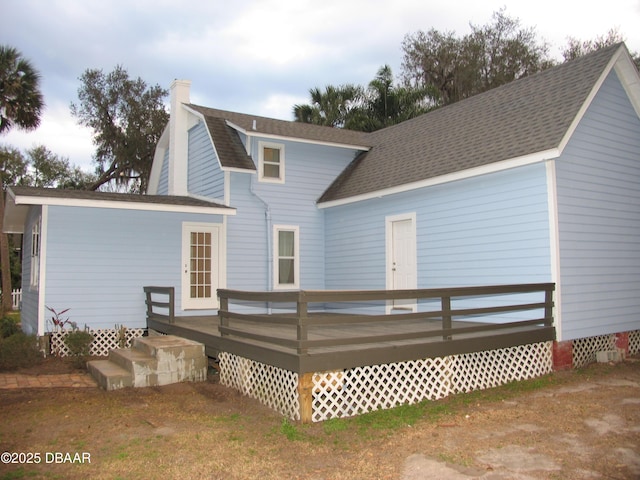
[[268, 226]]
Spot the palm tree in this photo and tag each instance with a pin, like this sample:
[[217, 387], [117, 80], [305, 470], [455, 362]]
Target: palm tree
[[21, 101], [331, 107], [21, 105]]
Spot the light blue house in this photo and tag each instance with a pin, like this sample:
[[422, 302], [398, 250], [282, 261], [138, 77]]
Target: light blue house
[[535, 181]]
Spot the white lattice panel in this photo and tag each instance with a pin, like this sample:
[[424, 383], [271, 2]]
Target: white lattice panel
[[480, 370], [375, 387], [634, 342], [585, 349], [271, 386], [365, 389], [104, 341]]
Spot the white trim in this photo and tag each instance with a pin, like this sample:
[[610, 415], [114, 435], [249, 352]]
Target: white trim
[[587, 103], [389, 221], [44, 230], [218, 236], [628, 74], [554, 243], [451, 177], [35, 254], [281, 163], [282, 138], [122, 205], [296, 256]]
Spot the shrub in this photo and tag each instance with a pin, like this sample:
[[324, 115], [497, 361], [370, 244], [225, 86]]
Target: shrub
[[79, 344], [19, 350], [8, 327]]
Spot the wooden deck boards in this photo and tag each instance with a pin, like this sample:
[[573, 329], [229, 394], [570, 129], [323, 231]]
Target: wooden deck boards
[[205, 330]]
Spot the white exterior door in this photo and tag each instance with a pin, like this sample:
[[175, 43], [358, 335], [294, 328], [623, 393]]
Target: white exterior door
[[401, 257], [200, 265]]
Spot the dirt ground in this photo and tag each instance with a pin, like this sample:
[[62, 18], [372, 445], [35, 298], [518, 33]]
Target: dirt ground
[[583, 424]]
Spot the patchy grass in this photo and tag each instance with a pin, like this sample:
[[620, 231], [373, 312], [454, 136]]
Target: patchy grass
[[208, 431]]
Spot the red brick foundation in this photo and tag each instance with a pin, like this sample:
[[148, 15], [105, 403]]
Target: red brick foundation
[[563, 355], [622, 342]]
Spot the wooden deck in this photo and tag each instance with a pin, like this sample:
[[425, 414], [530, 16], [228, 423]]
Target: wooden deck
[[306, 342]]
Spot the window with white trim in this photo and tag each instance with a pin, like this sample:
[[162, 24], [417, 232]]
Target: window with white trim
[[35, 253], [286, 257], [271, 162]]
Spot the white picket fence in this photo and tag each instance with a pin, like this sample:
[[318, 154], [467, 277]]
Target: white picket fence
[[16, 298]]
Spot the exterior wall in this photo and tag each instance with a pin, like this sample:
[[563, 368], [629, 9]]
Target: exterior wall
[[98, 260], [205, 176], [309, 170], [486, 230], [598, 184], [163, 184], [30, 300]]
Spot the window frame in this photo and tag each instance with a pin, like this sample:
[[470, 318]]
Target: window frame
[[36, 240], [262, 162], [276, 257]]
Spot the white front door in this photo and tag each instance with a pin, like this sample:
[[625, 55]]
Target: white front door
[[401, 257], [200, 265]]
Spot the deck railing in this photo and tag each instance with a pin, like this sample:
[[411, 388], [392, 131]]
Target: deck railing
[[168, 305], [233, 324]]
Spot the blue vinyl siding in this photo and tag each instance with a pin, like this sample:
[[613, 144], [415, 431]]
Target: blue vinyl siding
[[204, 174], [492, 229], [598, 182], [163, 183], [98, 260], [309, 170]]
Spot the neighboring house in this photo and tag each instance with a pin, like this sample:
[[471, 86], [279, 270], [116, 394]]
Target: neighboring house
[[534, 181]]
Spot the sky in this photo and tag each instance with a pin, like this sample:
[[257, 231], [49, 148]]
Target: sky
[[253, 56]]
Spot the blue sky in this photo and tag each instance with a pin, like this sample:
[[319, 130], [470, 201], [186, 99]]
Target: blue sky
[[253, 56]]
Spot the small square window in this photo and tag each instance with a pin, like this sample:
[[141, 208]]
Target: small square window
[[271, 162]]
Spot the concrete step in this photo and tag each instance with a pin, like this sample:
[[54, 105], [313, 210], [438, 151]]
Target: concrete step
[[178, 359], [168, 345], [152, 361], [141, 366], [109, 375]]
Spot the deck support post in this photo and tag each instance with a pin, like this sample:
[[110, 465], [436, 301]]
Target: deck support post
[[446, 316], [303, 327], [305, 397], [222, 313]]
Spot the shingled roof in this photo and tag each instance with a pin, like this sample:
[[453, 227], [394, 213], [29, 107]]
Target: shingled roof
[[233, 154], [526, 116]]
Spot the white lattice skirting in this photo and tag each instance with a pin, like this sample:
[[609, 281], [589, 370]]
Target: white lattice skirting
[[104, 341], [585, 349], [360, 390]]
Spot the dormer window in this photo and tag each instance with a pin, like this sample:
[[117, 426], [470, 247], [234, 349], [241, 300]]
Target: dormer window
[[271, 160]]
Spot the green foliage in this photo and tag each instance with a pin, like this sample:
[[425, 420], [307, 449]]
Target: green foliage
[[8, 327], [290, 431], [18, 351], [21, 102], [353, 107], [459, 67], [79, 344], [127, 118]]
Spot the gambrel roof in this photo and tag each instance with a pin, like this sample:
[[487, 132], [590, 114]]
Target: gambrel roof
[[223, 127]]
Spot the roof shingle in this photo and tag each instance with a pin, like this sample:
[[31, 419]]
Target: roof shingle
[[523, 117]]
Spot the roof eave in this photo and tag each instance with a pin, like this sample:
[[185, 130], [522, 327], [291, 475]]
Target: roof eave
[[447, 178], [17, 207]]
